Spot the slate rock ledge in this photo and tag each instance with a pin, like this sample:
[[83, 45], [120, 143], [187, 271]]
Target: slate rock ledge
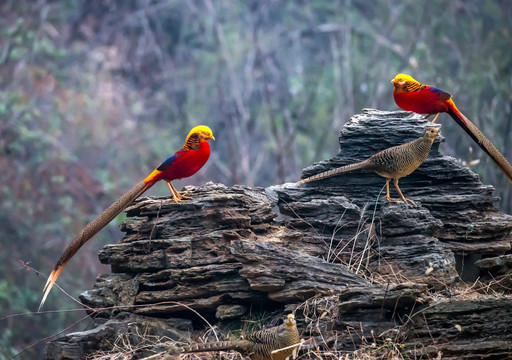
[[334, 251]]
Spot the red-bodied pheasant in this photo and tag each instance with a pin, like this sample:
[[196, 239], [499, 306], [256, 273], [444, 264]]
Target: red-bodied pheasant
[[412, 95], [184, 163]]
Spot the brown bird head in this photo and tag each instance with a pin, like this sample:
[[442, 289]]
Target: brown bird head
[[290, 321], [431, 133]]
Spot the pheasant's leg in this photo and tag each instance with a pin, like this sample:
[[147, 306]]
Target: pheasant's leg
[[174, 196], [388, 197], [402, 195], [181, 196], [429, 115]]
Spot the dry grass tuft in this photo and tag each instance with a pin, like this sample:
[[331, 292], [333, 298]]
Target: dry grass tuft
[[133, 345]]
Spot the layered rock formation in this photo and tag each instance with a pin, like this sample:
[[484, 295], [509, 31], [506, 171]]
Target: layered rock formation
[[354, 268]]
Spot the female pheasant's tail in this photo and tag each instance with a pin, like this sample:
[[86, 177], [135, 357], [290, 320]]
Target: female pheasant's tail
[[334, 172], [90, 230], [482, 141], [243, 346]]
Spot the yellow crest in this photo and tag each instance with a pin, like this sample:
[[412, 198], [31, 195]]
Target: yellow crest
[[401, 78], [407, 83], [201, 129]]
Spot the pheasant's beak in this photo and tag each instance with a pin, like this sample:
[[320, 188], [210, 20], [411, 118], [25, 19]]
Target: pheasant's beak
[[210, 137], [397, 83]]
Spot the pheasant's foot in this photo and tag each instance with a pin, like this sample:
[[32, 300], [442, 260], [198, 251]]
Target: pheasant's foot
[[409, 200], [176, 196], [405, 200], [390, 199], [183, 196]]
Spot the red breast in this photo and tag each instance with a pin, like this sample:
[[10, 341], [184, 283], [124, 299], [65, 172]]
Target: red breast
[[188, 163], [425, 101]]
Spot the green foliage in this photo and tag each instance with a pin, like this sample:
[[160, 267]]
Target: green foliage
[[95, 94]]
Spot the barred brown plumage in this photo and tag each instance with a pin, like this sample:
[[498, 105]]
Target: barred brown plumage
[[392, 163], [276, 343]]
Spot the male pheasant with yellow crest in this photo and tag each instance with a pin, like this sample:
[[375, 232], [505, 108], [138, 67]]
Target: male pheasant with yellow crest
[[412, 95], [184, 163]]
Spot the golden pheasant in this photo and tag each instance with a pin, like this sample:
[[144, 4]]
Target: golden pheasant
[[184, 163], [276, 343], [392, 163], [411, 95]]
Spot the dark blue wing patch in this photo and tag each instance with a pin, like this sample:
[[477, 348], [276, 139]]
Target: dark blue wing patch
[[167, 163], [443, 95]]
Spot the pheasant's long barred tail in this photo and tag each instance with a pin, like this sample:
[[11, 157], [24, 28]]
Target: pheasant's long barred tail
[[240, 346], [484, 143], [333, 172], [276, 343], [89, 231]]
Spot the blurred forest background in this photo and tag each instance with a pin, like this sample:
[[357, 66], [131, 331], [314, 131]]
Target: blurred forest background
[[95, 94]]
